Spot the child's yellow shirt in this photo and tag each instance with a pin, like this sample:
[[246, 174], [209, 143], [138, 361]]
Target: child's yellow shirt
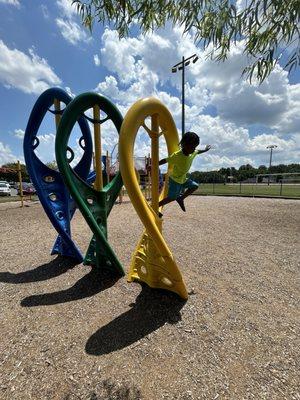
[[181, 165]]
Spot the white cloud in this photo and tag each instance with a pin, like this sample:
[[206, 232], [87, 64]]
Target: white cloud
[[141, 67], [159, 52], [233, 146], [268, 104], [46, 148], [11, 2], [6, 155], [68, 10], [96, 60], [118, 55], [259, 143], [45, 11], [241, 5], [154, 53], [19, 133], [137, 90], [71, 31], [69, 91], [67, 23], [29, 73], [211, 161], [289, 121]]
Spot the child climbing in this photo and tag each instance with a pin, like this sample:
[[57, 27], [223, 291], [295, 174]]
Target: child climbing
[[179, 186]]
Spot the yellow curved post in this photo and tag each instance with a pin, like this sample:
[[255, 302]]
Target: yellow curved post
[[107, 166], [98, 149], [20, 183], [152, 261], [154, 135], [57, 115]]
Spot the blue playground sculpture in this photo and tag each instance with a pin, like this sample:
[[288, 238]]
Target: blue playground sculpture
[[50, 187]]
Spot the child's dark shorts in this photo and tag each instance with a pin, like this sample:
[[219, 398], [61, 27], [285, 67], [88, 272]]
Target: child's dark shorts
[[175, 188]]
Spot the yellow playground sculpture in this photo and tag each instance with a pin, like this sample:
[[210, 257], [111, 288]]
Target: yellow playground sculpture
[[152, 261]]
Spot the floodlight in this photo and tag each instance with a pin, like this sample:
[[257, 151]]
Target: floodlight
[[187, 63], [195, 59], [174, 69], [180, 68]]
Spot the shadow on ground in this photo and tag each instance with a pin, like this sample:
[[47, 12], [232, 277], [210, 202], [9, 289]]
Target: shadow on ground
[[54, 268], [152, 309], [92, 283]]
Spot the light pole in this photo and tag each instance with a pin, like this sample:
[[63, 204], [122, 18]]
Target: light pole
[[181, 66], [271, 147]]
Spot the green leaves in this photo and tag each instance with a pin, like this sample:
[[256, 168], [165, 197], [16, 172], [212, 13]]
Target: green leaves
[[269, 28]]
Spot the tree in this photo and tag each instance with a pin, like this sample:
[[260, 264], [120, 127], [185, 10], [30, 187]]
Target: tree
[[263, 169], [13, 167], [52, 165], [269, 28], [293, 168], [243, 173], [246, 167]]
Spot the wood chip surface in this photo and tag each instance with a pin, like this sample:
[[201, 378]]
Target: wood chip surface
[[66, 334]]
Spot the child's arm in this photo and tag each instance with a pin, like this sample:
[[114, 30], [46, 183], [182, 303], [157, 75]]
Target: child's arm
[[207, 147], [163, 161]]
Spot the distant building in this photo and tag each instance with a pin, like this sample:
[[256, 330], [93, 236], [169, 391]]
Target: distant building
[[250, 180], [266, 179]]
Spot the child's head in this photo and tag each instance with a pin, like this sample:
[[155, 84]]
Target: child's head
[[189, 142]]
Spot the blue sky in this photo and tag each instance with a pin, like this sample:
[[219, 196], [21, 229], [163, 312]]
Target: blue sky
[[42, 44]]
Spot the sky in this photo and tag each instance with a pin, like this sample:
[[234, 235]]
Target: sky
[[43, 45]]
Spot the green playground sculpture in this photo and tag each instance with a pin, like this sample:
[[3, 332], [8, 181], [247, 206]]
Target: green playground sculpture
[[95, 203]]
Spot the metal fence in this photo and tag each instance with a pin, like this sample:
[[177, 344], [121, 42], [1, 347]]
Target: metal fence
[[280, 189]]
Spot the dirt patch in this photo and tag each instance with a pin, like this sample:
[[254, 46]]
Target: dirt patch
[[68, 333]]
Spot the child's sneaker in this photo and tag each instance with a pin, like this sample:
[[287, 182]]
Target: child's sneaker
[[181, 203]]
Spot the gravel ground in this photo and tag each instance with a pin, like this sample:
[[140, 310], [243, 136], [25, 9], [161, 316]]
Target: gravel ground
[[67, 334]]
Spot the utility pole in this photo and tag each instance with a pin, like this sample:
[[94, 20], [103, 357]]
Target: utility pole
[[181, 67], [271, 147]]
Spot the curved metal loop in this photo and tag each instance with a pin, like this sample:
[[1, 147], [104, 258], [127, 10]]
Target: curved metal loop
[[71, 158], [56, 112], [92, 203], [35, 142], [50, 182], [157, 267], [80, 143], [95, 121]]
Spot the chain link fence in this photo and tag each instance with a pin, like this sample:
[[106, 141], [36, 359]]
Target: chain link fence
[[281, 189]]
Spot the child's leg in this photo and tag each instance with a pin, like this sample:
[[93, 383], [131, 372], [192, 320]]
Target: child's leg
[[174, 191], [191, 187], [188, 192], [165, 201]]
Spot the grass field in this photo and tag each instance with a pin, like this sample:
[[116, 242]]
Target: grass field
[[250, 190], [274, 190]]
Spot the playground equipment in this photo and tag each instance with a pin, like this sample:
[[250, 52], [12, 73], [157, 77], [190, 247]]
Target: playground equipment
[[142, 170], [152, 261], [95, 203], [49, 184]]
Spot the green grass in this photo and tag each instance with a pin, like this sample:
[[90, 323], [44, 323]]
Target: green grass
[[292, 191], [250, 190]]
